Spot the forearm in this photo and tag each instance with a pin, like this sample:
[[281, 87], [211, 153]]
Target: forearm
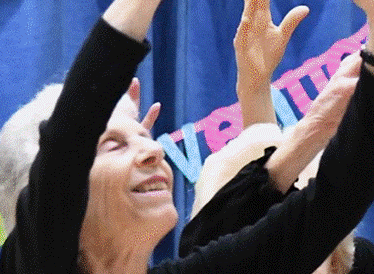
[[352, 148], [256, 104], [56, 201], [221, 167], [131, 17], [294, 154], [348, 160], [344, 183], [318, 126]]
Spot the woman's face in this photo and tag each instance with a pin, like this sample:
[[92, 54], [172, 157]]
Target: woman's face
[[130, 183]]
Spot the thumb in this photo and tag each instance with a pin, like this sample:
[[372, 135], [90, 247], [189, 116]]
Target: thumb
[[292, 20]]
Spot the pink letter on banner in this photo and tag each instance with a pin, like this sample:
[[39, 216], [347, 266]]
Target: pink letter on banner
[[319, 79], [216, 138], [312, 67]]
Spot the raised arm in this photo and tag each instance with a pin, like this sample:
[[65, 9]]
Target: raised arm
[[52, 207], [318, 126], [259, 47], [242, 196], [288, 238]]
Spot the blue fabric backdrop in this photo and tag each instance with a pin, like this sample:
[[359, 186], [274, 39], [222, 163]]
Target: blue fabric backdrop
[[191, 68]]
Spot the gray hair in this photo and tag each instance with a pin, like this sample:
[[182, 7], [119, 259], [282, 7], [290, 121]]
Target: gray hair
[[19, 144]]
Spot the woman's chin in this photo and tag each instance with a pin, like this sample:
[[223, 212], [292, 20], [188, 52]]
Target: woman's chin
[[165, 215], [158, 223], [164, 218]]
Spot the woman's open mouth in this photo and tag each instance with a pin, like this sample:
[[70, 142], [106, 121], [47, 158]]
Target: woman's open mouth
[[151, 186], [155, 188]]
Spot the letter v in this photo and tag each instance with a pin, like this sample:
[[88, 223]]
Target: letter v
[[190, 166]]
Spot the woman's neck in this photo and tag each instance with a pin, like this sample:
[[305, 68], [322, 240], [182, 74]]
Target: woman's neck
[[100, 253], [113, 259]]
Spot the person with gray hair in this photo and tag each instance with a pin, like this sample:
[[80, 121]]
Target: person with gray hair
[[19, 142], [99, 197]]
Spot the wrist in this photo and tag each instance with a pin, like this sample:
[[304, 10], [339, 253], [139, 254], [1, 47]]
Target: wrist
[[131, 17], [245, 84]]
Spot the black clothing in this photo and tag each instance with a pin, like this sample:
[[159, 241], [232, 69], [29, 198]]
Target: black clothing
[[239, 203], [242, 202], [288, 239], [364, 256], [51, 209]]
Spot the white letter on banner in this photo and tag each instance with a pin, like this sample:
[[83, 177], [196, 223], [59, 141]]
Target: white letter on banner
[[190, 166]]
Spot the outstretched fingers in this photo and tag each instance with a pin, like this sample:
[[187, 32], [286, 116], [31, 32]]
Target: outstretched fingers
[[292, 20], [249, 9], [151, 116]]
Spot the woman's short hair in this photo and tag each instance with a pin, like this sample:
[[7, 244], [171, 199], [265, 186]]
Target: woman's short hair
[[19, 144]]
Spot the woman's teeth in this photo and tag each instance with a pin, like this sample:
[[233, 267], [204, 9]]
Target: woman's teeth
[[151, 187]]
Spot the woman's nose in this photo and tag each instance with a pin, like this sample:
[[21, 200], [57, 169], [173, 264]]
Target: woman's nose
[[151, 153]]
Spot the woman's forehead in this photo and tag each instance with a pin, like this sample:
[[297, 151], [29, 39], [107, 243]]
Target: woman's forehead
[[128, 106], [122, 123]]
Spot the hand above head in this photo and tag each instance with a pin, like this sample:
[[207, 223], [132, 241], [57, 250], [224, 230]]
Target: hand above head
[[259, 47], [259, 44]]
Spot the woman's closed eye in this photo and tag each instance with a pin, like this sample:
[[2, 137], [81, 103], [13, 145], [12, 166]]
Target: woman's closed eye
[[111, 145]]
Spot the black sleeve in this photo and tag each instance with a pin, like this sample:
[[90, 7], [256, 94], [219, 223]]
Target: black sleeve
[[241, 202], [288, 239], [51, 209], [364, 256]]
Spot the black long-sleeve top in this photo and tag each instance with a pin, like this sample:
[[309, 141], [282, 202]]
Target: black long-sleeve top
[[242, 202], [287, 240], [50, 210]]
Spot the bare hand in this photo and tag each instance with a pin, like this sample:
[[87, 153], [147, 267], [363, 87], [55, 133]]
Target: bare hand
[[259, 44]]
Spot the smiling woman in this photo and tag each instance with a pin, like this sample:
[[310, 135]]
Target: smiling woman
[[130, 187], [99, 194], [19, 144]]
